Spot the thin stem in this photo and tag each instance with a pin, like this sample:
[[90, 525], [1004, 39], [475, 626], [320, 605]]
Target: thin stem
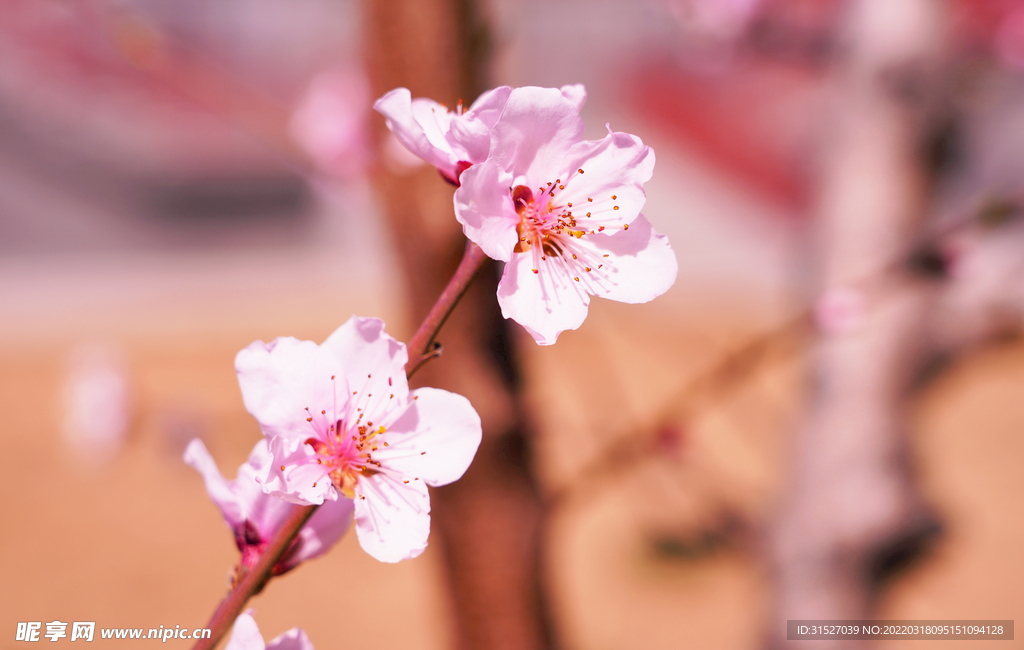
[[422, 341], [422, 348], [250, 582]]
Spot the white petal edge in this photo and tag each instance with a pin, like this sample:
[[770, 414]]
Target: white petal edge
[[265, 511]]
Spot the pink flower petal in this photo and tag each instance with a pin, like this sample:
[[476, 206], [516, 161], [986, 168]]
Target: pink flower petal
[[245, 635], [572, 198], [546, 303], [373, 364], [640, 265], [392, 517], [536, 128], [243, 499], [435, 120], [616, 166], [266, 512], [293, 639], [281, 380], [435, 439], [483, 207], [416, 125], [576, 94], [295, 476], [443, 138], [471, 132], [234, 509]]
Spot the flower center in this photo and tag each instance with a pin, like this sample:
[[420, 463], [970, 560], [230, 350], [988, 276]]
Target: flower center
[[542, 220], [548, 228], [346, 453]]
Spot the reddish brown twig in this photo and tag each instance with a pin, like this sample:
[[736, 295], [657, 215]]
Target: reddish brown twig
[[250, 582], [421, 346]]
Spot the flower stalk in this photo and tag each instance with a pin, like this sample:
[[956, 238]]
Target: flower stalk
[[421, 345], [422, 348]]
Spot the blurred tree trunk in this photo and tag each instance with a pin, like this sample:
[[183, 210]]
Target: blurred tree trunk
[[853, 505], [488, 524]]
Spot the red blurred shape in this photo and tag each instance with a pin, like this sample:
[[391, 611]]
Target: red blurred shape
[[751, 121]]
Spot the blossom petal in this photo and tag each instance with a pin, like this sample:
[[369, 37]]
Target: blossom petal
[[266, 512], [536, 128], [546, 303], [245, 634], [435, 439], [616, 166], [281, 380], [221, 492], [392, 517], [294, 475], [640, 265], [576, 94], [435, 119], [293, 639], [488, 106], [374, 366], [471, 132], [323, 530], [484, 208], [415, 124]]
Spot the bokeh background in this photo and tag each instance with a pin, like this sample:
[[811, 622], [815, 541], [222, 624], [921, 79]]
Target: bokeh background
[[822, 418]]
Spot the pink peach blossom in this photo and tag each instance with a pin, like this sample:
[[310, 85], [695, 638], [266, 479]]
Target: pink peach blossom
[[451, 141], [255, 517], [342, 424], [564, 214]]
